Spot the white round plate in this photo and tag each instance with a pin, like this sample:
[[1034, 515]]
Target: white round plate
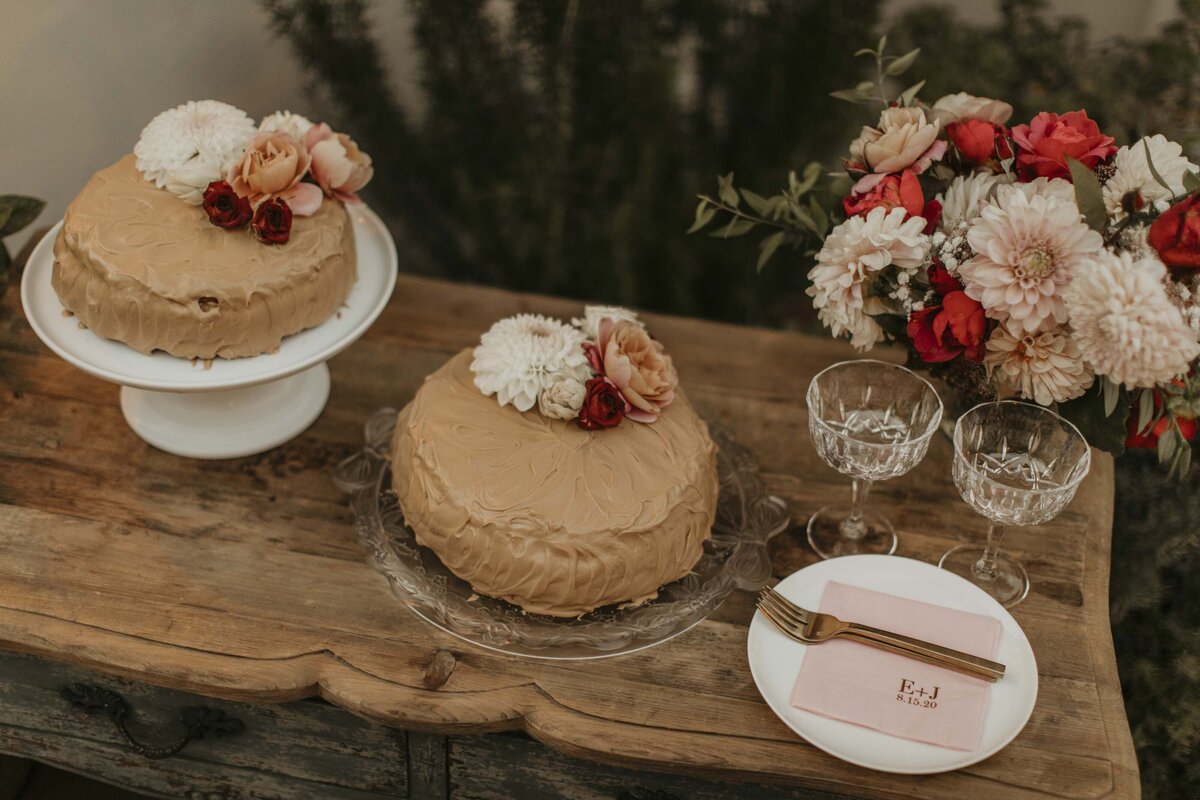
[[113, 361], [775, 661]]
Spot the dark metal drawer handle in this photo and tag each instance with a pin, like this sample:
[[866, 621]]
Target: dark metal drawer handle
[[198, 721]]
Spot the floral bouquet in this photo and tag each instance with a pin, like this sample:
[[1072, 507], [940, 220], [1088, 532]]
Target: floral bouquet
[[1040, 260]]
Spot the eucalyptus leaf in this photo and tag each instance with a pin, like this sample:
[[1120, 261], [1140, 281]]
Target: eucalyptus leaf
[[910, 94], [1166, 447], [704, 215], [736, 227], [1184, 462], [1112, 393], [5, 263], [851, 96], [726, 192], [757, 202], [767, 248], [819, 216], [1191, 182], [865, 87], [879, 48], [1153, 171], [1145, 410], [901, 63], [1088, 195], [864, 51], [17, 211]]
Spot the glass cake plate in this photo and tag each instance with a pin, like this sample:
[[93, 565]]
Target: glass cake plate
[[734, 558]]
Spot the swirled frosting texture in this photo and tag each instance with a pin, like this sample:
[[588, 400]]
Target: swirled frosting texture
[[135, 264], [543, 514]]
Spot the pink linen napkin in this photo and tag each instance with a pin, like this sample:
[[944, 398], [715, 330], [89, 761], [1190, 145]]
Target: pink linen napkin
[[866, 686]]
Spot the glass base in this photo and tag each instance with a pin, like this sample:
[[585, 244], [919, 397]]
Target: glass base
[[827, 540], [1009, 585]]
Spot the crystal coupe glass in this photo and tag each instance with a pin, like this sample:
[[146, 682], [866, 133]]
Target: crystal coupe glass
[[870, 420], [1016, 464]]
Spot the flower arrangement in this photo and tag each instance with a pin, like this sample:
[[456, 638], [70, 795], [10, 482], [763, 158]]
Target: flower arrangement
[[1040, 260], [211, 154], [598, 370]]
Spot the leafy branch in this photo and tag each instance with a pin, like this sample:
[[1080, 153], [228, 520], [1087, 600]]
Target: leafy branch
[[886, 66]]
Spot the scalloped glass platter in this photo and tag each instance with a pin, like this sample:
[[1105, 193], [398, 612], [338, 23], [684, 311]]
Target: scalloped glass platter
[[734, 558]]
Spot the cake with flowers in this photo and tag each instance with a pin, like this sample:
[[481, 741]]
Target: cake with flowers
[[216, 237], [558, 466]]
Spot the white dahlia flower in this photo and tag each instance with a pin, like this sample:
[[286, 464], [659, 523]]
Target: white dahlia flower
[[1057, 188], [852, 253], [590, 322], [188, 147], [519, 357], [966, 196], [1027, 246], [1132, 174], [1045, 367], [287, 122], [1125, 323]]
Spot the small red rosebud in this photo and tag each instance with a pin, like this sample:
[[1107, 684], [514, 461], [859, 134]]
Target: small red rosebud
[[273, 222], [603, 405], [225, 207]]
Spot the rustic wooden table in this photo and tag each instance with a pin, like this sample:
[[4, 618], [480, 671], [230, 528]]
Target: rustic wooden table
[[242, 580]]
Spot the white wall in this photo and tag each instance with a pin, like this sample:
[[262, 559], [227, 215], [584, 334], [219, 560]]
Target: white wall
[[79, 78]]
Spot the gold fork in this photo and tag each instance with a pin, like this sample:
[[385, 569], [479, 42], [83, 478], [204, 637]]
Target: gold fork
[[811, 627]]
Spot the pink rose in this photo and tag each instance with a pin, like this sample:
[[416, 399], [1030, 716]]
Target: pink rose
[[338, 166], [637, 365], [271, 169], [1044, 144]]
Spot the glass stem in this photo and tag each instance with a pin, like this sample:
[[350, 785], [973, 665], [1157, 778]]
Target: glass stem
[[853, 527], [985, 567]]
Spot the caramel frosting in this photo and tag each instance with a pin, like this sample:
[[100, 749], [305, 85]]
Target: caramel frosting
[[136, 264], [543, 514]]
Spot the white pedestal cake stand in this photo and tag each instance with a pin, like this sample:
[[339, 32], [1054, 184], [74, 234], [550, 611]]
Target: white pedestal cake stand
[[231, 407]]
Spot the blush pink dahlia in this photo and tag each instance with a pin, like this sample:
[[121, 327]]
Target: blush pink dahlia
[[1027, 246]]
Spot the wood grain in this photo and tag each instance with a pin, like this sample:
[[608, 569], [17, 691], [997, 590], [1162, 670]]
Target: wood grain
[[243, 579]]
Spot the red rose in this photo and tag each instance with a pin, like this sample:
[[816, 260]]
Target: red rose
[[603, 405], [978, 141], [1044, 144], [225, 207], [941, 280], [1176, 234], [933, 215], [954, 328], [273, 222], [1149, 439], [903, 190]]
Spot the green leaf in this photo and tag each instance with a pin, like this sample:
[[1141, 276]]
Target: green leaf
[[1191, 182], [901, 63], [726, 192], [910, 94], [704, 215], [1166, 446], [1088, 195], [879, 48], [1112, 393], [767, 248], [757, 202], [5, 263], [1183, 462], [819, 216], [736, 227], [852, 96], [1153, 171], [864, 51], [17, 211], [1103, 431], [1145, 410]]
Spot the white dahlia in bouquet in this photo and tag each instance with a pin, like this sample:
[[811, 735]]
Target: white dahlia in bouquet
[[1040, 260]]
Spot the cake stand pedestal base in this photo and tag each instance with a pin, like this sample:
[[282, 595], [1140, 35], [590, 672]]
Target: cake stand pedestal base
[[230, 423]]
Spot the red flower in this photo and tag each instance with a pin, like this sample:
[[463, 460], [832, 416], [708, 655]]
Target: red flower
[[933, 215], [273, 222], [903, 190], [1176, 234], [1044, 144], [979, 141], [603, 405], [956, 327], [225, 207]]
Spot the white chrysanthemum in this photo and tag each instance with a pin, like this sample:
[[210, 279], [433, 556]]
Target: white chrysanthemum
[[520, 356], [188, 147], [1046, 367], [965, 197], [286, 122], [852, 252], [1132, 174], [590, 322], [1125, 323], [1027, 246]]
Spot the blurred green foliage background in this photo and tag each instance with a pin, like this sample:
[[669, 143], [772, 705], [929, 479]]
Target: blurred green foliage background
[[564, 142]]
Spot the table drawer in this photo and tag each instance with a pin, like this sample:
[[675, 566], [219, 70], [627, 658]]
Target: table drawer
[[293, 751], [515, 767]]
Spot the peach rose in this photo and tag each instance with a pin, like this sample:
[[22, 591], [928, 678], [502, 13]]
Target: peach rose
[[902, 138], [271, 169], [639, 367], [338, 165], [963, 106]]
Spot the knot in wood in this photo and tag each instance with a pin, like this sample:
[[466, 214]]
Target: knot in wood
[[439, 669]]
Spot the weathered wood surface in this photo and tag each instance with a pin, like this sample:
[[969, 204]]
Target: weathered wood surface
[[243, 579]]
